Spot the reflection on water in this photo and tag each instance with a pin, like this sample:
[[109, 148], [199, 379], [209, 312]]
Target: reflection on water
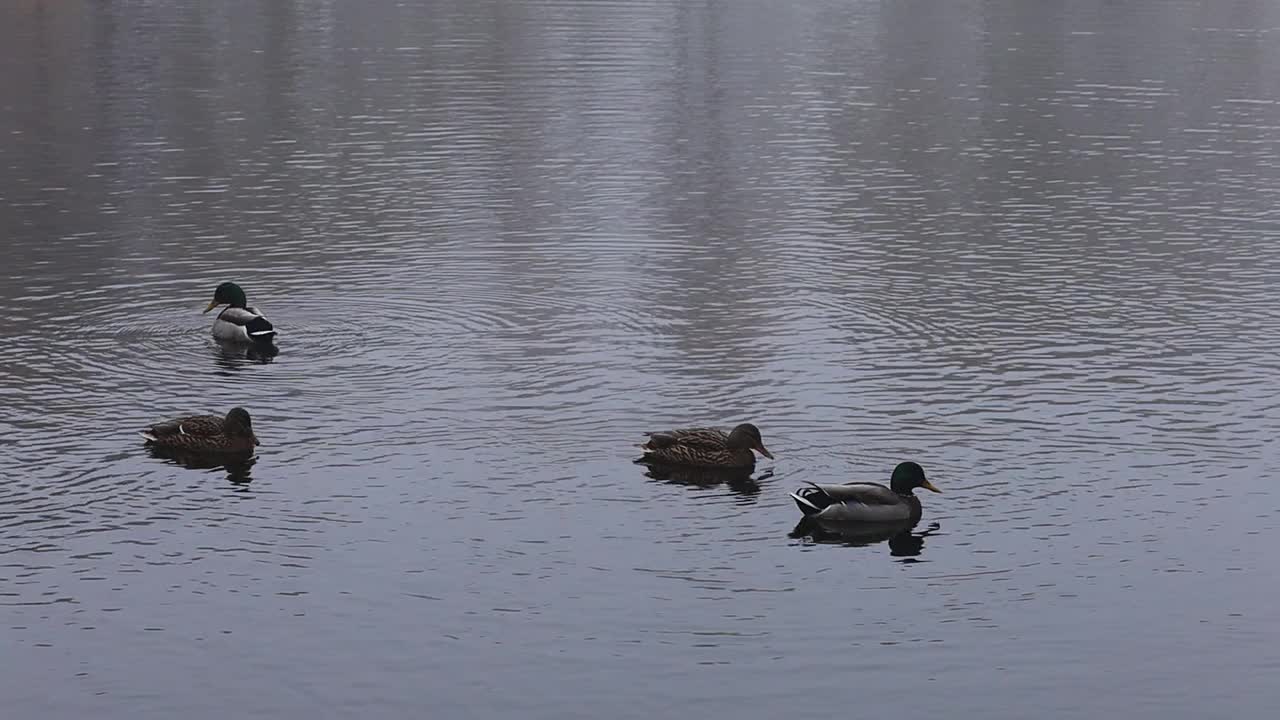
[[1031, 245], [902, 541], [237, 468], [233, 356], [743, 481]]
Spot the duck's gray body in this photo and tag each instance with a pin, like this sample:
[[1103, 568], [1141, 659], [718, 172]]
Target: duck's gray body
[[857, 502], [244, 324], [867, 502]]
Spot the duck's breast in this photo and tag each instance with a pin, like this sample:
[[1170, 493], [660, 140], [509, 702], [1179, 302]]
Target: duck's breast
[[223, 330]]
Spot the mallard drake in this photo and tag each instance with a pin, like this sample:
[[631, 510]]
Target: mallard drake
[[205, 433], [238, 322], [705, 447], [867, 502]]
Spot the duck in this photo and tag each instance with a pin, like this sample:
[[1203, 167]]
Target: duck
[[238, 322], [205, 433], [705, 447], [867, 502]]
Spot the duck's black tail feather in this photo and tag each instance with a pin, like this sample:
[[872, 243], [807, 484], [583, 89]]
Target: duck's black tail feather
[[260, 330], [804, 501]]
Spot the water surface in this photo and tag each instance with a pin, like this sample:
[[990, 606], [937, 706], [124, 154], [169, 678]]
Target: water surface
[[1033, 248]]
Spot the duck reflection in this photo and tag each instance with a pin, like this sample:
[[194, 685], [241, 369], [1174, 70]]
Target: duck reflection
[[233, 356], [903, 542], [237, 467], [740, 480]]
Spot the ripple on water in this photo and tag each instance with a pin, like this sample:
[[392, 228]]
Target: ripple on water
[[493, 264]]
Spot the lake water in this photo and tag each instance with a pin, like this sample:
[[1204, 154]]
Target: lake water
[[1034, 248]]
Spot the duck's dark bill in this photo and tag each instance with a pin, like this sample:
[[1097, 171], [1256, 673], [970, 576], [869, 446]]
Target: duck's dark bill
[[764, 452]]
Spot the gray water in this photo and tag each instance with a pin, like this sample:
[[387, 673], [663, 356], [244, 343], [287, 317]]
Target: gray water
[[1034, 248]]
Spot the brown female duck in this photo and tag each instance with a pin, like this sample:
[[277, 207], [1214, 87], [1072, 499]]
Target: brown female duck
[[706, 447], [205, 433]]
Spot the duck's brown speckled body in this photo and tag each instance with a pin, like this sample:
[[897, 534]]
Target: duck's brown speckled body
[[705, 447], [205, 433]]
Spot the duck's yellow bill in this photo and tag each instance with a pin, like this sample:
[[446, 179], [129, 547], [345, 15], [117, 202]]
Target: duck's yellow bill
[[212, 305], [929, 486]]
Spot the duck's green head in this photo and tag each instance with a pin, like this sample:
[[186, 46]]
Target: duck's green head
[[237, 424], [747, 436], [228, 293], [907, 477]]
